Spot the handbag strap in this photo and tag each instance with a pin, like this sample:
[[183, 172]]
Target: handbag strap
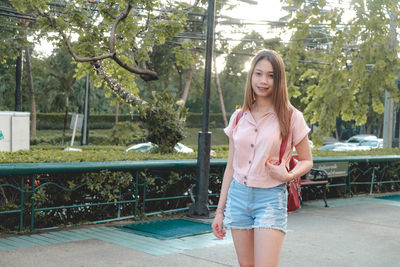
[[238, 116], [283, 148]]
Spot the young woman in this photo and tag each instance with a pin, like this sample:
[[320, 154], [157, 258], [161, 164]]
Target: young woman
[[253, 195]]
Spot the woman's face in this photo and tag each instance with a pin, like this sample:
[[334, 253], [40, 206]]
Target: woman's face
[[262, 80]]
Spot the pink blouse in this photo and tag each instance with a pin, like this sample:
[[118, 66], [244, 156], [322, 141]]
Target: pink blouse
[[257, 142]]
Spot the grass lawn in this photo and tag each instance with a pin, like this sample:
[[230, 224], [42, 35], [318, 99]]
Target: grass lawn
[[218, 137]]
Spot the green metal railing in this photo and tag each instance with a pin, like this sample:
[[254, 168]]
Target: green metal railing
[[372, 169], [30, 172]]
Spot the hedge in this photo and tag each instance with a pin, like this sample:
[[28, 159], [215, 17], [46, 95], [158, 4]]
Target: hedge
[[55, 121]]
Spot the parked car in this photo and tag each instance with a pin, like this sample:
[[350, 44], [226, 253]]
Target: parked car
[[360, 138], [338, 146], [354, 143], [143, 147], [352, 148]]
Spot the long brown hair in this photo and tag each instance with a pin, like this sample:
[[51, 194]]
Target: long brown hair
[[280, 98]]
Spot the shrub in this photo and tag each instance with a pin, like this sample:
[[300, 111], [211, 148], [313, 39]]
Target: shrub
[[164, 119], [55, 121], [126, 133]]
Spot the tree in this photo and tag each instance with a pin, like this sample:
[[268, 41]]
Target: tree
[[15, 44], [115, 39], [62, 71], [111, 34], [355, 62], [165, 118]]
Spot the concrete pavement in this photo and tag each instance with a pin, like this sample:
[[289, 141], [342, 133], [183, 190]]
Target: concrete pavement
[[359, 231]]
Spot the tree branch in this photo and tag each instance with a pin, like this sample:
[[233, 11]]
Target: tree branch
[[141, 71], [145, 74], [115, 87], [114, 27], [68, 43]]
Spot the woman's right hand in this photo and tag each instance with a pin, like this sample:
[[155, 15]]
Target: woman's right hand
[[217, 226]]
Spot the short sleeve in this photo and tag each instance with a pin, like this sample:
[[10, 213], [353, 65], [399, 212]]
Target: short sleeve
[[232, 124], [299, 127]]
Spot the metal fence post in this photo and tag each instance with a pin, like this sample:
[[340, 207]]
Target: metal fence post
[[372, 180], [33, 204], [136, 193], [21, 215]]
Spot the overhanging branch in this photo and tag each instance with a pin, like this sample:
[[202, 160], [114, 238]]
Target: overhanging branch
[[114, 27], [115, 86], [145, 74]]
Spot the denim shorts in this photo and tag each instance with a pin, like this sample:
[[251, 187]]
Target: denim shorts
[[251, 207]]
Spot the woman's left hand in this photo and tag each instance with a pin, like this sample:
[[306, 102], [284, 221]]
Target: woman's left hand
[[278, 172]]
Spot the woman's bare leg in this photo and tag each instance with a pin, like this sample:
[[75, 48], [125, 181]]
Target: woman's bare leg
[[268, 246], [244, 246]]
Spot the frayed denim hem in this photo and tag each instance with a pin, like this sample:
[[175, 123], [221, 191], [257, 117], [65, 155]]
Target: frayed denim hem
[[257, 227]]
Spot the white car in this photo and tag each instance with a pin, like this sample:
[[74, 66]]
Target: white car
[[338, 146], [143, 147], [360, 138], [358, 142]]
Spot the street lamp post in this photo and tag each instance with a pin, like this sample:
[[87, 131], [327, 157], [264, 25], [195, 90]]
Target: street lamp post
[[200, 207]]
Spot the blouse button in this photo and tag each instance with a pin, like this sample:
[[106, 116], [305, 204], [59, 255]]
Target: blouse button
[[249, 161], [255, 130], [244, 183], [252, 145]]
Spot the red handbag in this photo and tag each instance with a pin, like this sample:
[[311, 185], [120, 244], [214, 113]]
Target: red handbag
[[293, 187]]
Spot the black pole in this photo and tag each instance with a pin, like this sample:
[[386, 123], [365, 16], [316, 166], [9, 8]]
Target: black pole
[[85, 127], [200, 207], [18, 82]]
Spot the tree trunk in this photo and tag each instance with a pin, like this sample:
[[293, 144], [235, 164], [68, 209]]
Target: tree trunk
[[338, 136], [65, 119], [116, 112], [18, 81], [221, 98], [380, 129], [31, 91], [180, 79], [188, 81]]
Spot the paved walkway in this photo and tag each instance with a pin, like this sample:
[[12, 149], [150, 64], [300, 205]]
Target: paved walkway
[[358, 231]]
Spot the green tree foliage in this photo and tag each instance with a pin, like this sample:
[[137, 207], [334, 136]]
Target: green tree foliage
[[117, 36], [340, 69], [116, 40], [165, 120], [125, 133], [13, 31]]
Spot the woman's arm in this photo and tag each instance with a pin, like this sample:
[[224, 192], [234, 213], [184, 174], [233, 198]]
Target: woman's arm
[[228, 176], [304, 158], [303, 165], [217, 224]]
